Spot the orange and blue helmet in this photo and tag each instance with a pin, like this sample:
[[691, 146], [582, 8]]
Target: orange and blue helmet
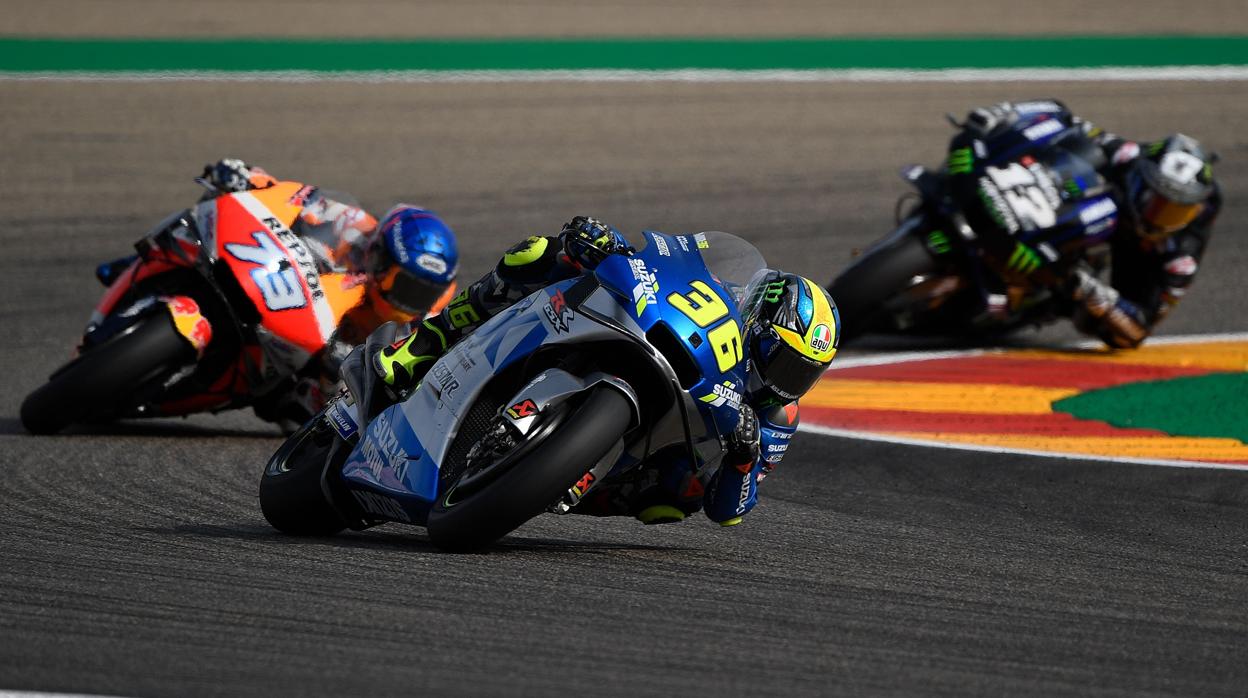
[[414, 258], [792, 327]]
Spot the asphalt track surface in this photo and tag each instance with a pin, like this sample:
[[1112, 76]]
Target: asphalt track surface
[[650, 18], [135, 561]]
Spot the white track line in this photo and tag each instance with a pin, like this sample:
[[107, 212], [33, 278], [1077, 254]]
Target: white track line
[[910, 356], [1123, 73]]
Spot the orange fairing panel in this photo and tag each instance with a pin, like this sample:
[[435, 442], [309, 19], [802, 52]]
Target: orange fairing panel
[[343, 292], [284, 200], [273, 265]]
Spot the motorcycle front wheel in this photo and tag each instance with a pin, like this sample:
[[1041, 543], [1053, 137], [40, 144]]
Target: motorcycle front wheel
[[101, 381], [291, 497], [862, 290]]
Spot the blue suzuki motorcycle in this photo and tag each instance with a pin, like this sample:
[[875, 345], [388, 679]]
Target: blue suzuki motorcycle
[[575, 387]]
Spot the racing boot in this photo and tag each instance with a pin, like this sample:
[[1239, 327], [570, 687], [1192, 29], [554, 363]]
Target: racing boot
[[362, 377], [403, 363], [665, 495], [676, 495]]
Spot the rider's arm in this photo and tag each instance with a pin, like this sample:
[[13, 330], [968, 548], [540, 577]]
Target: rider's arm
[[733, 491], [1180, 264], [528, 266], [343, 230], [1146, 284], [1107, 152]]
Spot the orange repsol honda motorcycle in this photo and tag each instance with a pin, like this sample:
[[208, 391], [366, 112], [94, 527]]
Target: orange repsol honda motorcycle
[[222, 306]]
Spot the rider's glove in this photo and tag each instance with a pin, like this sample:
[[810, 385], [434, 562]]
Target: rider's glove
[[230, 175], [587, 241], [742, 448], [983, 120]]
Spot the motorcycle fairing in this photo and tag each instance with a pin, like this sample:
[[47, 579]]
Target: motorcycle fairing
[[400, 453], [1088, 214], [1032, 132], [391, 458], [423, 427], [672, 267], [278, 272], [1068, 186], [152, 260]]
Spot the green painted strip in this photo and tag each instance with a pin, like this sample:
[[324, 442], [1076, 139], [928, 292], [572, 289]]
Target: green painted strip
[[1214, 405], [252, 55]]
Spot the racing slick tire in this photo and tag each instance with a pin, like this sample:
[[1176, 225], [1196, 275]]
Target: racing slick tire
[[99, 382], [542, 475], [291, 497], [862, 290]]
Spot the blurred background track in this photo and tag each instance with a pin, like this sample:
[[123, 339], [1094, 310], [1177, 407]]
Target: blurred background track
[[135, 560], [451, 18]]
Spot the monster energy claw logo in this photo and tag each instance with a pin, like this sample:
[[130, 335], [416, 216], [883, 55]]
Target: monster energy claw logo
[[1024, 260], [938, 242], [960, 161], [773, 291]]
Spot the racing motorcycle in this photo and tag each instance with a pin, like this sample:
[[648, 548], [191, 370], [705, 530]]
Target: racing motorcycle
[[220, 307], [970, 262], [574, 387]]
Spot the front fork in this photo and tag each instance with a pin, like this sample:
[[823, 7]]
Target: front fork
[[553, 387], [592, 477]]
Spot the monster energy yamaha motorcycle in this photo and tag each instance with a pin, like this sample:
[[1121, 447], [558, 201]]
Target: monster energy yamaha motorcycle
[[971, 261], [576, 386]]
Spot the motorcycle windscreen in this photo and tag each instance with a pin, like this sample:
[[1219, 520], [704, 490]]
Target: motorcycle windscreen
[[730, 259]]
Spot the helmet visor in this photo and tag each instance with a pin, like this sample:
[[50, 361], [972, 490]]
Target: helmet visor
[[1162, 216], [408, 292], [789, 373]]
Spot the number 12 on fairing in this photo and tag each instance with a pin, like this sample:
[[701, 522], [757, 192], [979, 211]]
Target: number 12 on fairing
[[705, 307]]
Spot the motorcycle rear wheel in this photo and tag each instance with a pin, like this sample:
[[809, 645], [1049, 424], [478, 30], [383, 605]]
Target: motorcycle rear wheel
[[101, 381], [536, 481]]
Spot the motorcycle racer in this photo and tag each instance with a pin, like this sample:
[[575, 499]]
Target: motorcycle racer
[[407, 265], [791, 327], [1164, 191]]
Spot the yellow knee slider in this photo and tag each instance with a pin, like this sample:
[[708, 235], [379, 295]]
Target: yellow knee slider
[[660, 514]]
